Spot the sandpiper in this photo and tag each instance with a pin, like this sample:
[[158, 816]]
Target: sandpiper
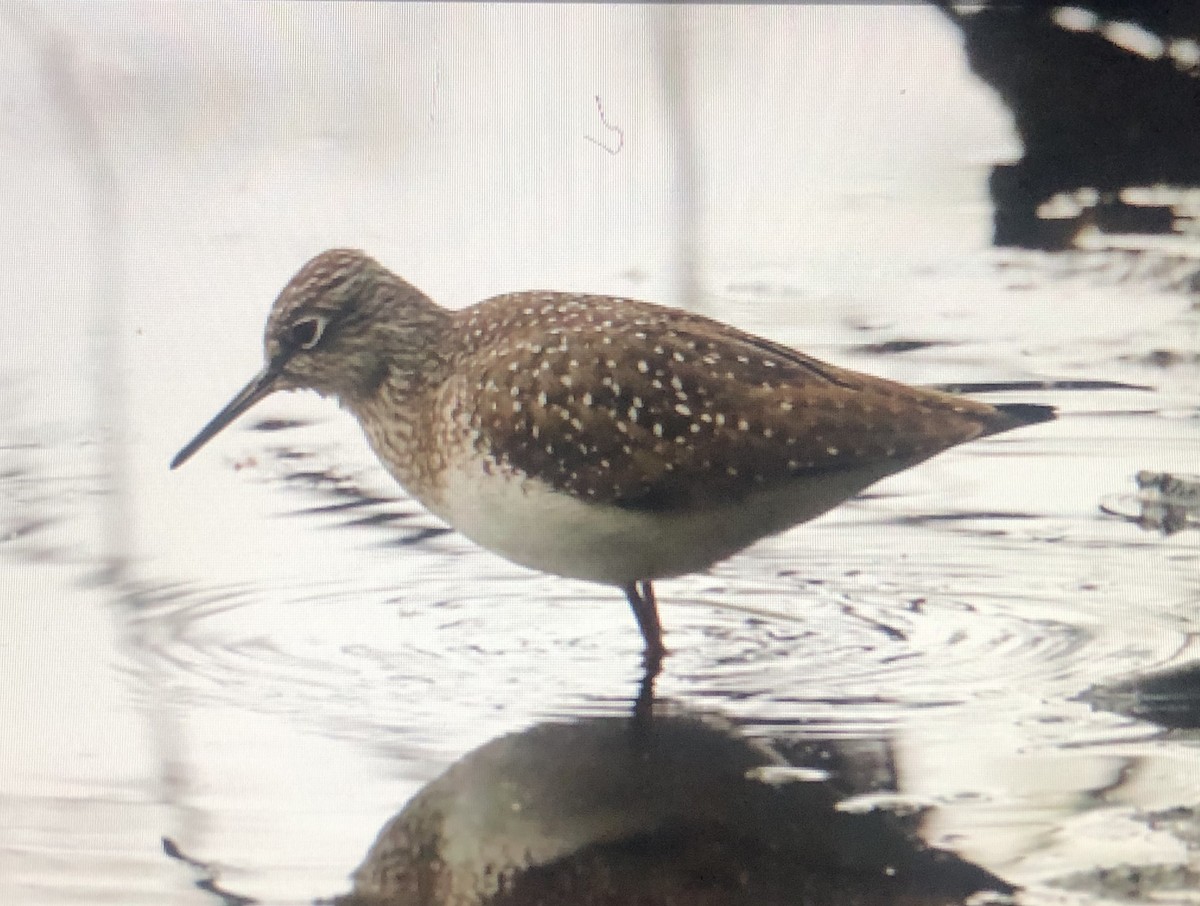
[[594, 437]]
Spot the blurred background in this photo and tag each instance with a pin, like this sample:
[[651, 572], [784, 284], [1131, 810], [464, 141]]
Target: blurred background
[[264, 656]]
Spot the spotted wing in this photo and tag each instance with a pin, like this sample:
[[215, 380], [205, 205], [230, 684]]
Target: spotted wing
[[651, 408]]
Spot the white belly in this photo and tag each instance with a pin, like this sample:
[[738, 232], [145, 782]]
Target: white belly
[[529, 523]]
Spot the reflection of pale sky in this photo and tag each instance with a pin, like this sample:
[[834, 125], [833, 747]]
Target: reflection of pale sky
[[843, 156], [453, 145]]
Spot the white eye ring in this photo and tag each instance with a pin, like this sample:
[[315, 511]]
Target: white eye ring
[[307, 332]]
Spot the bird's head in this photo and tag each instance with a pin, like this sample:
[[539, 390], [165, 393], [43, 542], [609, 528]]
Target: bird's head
[[338, 327]]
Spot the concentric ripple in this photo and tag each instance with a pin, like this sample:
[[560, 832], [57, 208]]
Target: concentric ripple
[[849, 625]]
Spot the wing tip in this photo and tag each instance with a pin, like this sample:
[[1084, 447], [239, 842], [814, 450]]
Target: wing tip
[[1020, 415]]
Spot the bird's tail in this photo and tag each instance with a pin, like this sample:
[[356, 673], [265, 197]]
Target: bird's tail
[[1018, 415]]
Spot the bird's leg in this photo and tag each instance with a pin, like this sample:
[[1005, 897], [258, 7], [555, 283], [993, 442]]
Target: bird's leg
[[643, 705], [641, 599]]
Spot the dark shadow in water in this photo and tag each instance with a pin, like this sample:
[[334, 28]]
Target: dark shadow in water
[[893, 347], [1091, 114], [677, 809], [1170, 698], [343, 498], [278, 424], [208, 876], [1030, 386], [1165, 502]]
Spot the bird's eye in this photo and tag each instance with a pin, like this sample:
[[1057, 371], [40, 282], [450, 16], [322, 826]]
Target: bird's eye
[[306, 333]]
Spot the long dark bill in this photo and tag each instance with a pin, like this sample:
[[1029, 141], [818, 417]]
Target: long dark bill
[[262, 385]]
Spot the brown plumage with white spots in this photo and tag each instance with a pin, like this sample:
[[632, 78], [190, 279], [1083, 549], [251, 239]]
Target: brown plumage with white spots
[[595, 437]]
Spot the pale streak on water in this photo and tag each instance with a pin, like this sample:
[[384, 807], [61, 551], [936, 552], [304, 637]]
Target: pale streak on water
[[297, 648]]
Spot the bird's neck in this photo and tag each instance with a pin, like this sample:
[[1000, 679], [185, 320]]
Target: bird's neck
[[404, 365], [399, 410], [403, 351]]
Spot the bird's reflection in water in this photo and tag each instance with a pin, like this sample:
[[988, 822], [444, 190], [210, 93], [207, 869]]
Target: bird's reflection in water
[[665, 808]]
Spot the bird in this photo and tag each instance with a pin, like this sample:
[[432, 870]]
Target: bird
[[594, 437]]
